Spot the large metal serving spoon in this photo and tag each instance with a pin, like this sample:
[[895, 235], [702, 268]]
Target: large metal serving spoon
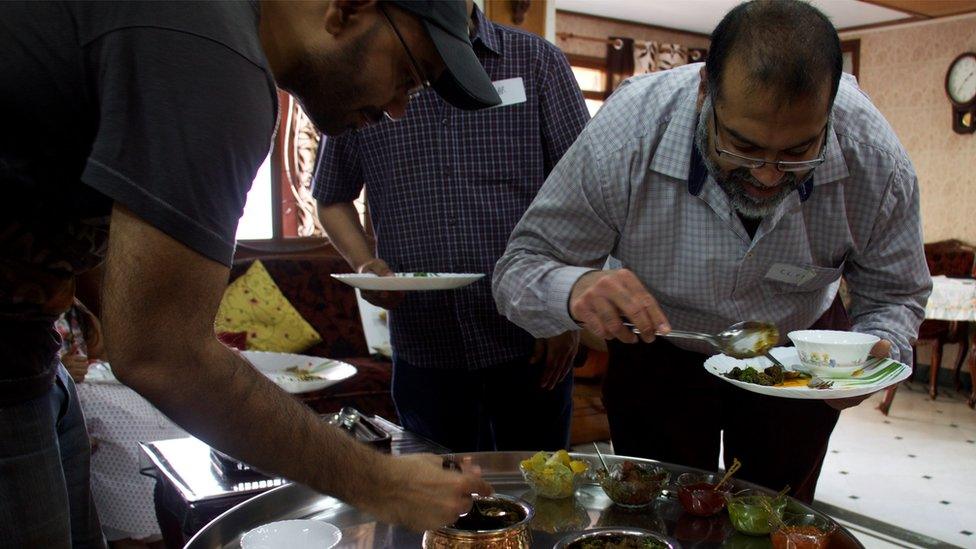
[[741, 340]]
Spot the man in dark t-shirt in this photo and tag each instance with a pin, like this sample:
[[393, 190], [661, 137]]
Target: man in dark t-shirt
[[131, 133]]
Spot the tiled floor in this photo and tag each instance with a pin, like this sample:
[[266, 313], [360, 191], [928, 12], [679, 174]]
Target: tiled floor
[[915, 469]]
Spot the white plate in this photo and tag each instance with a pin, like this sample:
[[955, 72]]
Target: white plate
[[274, 365], [409, 281], [871, 381], [292, 534]]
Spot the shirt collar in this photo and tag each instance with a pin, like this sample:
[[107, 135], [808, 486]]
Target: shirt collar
[[673, 154], [484, 32], [835, 166]]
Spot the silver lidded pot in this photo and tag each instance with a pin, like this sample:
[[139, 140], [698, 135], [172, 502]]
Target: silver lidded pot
[[494, 522]]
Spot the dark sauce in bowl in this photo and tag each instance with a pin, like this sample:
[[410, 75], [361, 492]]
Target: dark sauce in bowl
[[489, 514]]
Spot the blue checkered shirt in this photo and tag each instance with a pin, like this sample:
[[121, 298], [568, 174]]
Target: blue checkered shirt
[[446, 187], [628, 189]]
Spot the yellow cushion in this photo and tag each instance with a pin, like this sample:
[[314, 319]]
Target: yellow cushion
[[254, 304]]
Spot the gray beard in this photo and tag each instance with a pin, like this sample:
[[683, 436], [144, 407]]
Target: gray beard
[[734, 181]]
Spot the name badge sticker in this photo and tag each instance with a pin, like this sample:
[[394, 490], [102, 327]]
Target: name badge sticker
[[790, 274], [511, 90]]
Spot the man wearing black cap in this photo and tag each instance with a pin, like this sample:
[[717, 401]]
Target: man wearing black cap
[[132, 134], [445, 189]]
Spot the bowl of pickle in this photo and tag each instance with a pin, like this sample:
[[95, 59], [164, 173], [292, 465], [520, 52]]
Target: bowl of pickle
[[634, 484], [751, 511], [554, 475]]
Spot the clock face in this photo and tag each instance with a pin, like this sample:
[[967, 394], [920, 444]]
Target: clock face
[[961, 83]]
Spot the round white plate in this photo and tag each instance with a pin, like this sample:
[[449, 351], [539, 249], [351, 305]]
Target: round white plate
[[292, 534], [872, 380], [274, 365], [404, 282]]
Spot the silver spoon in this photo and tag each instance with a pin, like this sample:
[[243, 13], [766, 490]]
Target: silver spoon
[[741, 340], [772, 359], [599, 454]]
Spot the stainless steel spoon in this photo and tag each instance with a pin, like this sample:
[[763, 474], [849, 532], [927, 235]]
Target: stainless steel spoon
[[599, 454], [741, 340]]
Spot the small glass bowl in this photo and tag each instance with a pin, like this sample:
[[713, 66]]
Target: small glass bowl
[[698, 496], [749, 515], [802, 531], [550, 486], [634, 492]]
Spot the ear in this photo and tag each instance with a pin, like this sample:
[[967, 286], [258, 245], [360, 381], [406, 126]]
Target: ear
[[342, 14], [702, 88]]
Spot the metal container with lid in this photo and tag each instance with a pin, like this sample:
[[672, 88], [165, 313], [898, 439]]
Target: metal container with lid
[[476, 531]]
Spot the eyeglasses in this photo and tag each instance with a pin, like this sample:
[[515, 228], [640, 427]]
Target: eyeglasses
[[781, 165], [421, 83]]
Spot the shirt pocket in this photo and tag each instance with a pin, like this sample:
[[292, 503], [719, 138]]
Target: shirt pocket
[[819, 278]]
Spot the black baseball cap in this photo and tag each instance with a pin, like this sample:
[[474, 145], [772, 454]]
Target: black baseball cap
[[464, 83]]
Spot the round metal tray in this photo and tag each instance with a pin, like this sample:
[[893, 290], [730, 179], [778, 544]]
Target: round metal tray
[[554, 519]]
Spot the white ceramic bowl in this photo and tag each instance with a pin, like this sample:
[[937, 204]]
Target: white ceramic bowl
[[292, 534], [830, 353]]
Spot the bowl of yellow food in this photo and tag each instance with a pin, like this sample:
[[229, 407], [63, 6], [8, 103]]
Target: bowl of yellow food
[[554, 475]]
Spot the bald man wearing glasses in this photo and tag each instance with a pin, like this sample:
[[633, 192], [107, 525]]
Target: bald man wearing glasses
[[741, 189]]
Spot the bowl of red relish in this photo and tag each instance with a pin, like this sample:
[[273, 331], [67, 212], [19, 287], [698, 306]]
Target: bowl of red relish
[[802, 531], [698, 496]]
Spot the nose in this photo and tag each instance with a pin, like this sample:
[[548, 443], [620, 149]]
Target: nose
[[768, 175]]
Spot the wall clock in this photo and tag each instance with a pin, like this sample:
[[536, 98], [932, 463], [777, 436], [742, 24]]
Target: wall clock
[[960, 85]]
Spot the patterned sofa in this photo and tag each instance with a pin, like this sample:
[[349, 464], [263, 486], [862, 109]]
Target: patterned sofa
[[330, 307]]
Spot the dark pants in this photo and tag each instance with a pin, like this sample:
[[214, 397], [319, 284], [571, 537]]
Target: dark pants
[[45, 496], [498, 408], [663, 405]]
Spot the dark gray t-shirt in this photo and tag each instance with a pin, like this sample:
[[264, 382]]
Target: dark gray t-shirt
[[166, 107]]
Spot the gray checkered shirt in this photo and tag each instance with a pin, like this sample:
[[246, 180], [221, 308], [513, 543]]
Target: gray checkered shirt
[[623, 190], [446, 187]]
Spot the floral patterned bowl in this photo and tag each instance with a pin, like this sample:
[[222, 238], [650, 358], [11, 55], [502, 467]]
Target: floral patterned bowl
[[830, 353]]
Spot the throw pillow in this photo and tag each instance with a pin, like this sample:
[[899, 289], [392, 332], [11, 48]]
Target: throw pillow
[[254, 304]]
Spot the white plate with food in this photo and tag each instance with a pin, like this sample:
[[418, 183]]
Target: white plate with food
[[300, 373], [409, 282], [876, 375], [292, 534]]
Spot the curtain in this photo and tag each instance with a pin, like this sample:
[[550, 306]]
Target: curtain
[[626, 58], [653, 56], [301, 149], [620, 62]]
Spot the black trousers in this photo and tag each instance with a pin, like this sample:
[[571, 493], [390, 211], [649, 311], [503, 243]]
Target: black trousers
[[498, 408], [663, 405]]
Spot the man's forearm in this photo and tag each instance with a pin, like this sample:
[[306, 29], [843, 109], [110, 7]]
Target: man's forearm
[[341, 224], [159, 303], [216, 395]]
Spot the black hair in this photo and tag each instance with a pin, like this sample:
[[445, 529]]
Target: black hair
[[787, 47]]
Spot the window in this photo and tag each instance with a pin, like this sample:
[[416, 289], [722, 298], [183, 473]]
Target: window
[[591, 74], [593, 105], [280, 214], [257, 222], [590, 79]]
